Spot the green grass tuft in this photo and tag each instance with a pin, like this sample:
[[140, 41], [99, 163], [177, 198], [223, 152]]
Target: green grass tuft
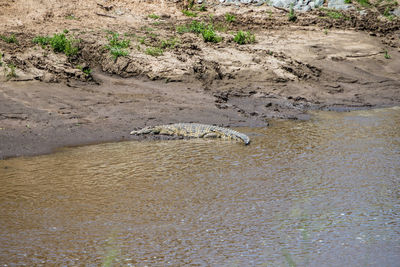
[[207, 31], [9, 39], [209, 35], [292, 14], [202, 8], [230, 17], [169, 43], [154, 51], [386, 55], [153, 16], [117, 46], [244, 38], [59, 42], [364, 3], [189, 13], [334, 14], [11, 73]]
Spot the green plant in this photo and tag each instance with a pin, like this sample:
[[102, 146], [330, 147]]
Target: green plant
[[292, 15], [153, 16], [230, 17], [117, 52], [242, 37], [142, 40], [9, 39], [195, 27], [334, 14], [387, 14], [190, 4], [207, 31], [42, 40], [386, 55], [59, 42], [189, 13], [71, 17], [202, 8], [85, 69], [326, 31], [169, 43], [146, 29], [364, 3], [117, 46], [11, 73], [154, 51], [1, 57], [347, 1], [209, 35]]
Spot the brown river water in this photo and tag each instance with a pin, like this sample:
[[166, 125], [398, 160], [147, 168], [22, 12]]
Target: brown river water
[[323, 192]]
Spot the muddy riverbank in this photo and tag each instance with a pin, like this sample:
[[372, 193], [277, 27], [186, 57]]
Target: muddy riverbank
[[323, 60]]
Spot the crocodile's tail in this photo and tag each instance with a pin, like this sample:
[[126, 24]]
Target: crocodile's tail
[[243, 137]]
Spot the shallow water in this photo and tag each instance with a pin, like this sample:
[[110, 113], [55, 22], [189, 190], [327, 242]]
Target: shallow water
[[323, 192]]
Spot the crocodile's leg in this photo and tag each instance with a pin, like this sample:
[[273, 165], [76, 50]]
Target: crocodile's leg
[[210, 135]]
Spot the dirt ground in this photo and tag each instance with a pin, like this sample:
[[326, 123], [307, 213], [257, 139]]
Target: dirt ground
[[320, 61]]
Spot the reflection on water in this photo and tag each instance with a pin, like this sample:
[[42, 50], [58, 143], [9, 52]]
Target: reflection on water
[[320, 192]]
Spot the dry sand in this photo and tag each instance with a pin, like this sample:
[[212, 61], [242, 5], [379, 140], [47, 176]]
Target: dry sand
[[317, 62]]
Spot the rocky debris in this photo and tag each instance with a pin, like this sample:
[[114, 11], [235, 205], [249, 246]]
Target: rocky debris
[[303, 5], [338, 4]]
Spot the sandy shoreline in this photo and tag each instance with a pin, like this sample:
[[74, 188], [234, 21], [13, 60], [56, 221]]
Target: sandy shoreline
[[314, 63]]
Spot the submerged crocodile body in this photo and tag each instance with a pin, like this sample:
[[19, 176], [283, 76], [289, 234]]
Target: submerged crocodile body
[[195, 130]]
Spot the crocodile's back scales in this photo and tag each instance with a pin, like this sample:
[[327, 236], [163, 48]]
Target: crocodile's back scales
[[195, 130]]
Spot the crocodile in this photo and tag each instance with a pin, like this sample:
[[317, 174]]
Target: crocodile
[[194, 130]]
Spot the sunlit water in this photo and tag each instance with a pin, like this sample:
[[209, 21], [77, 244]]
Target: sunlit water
[[323, 192]]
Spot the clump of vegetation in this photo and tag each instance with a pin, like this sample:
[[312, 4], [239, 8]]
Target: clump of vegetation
[[195, 27], [202, 8], [117, 46], [190, 4], [153, 16], [9, 39], [146, 29], [230, 17], [242, 37], [334, 14], [207, 31], [9, 72], [154, 51], [59, 42], [386, 55], [347, 1], [41, 40], [1, 59], [169, 43], [387, 14], [364, 3], [85, 69], [209, 35], [189, 13], [71, 17], [292, 15]]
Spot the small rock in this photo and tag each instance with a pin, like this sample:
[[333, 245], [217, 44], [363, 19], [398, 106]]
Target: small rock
[[396, 12], [338, 4]]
